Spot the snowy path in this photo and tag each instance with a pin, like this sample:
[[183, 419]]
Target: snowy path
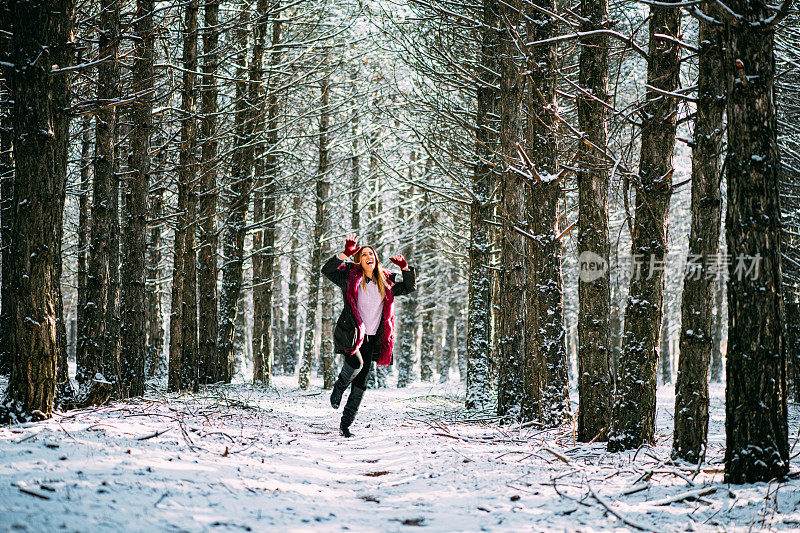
[[240, 459]]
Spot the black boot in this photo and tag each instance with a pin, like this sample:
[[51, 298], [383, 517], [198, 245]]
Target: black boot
[[345, 377], [350, 410]]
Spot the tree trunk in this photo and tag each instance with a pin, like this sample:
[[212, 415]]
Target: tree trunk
[[6, 187], [427, 361], [546, 386], [40, 144], [665, 356], [155, 271], [719, 323], [787, 92], [265, 252], [321, 227], [461, 345], [101, 286], [242, 179], [450, 335], [512, 209], [756, 428], [292, 312], [595, 384], [278, 321], [697, 317], [406, 352], [355, 159], [484, 179], [208, 315], [183, 356], [634, 413], [134, 275], [83, 248]]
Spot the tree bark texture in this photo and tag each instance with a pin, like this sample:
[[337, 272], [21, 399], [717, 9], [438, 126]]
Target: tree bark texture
[[241, 185], [155, 271], [697, 317], [756, 427], [595, 384], [546, 388], [134, 270], [183, 352], [41, 35], [633, 418], [101, 284], [208, 304], [513, 213], [6, 185], [83, 249], [265, 253], [484, 180]]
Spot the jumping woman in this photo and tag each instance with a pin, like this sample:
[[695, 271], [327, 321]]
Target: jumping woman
[[365, 330]]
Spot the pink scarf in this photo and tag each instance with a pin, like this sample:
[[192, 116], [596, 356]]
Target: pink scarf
[[387, 317]]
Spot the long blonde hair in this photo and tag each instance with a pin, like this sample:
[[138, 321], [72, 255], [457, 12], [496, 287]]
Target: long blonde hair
[[378, 275]]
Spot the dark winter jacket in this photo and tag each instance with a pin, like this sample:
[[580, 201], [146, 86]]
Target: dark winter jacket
[[348, 335]]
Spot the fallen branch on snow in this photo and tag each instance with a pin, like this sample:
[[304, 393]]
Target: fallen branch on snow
[[623, 518]]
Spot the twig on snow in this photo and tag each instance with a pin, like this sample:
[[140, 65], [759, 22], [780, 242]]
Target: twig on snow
[[689, 495], [611, 510]]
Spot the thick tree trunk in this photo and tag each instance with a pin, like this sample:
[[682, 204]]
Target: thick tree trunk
[[546, 383], [484, 180], [697, 317], [208, 315], [6, 186], [98, 335], [756, 428], [634, 413], [512, 210], [242, 180], [134, 275], [40, 39], [595, 384]]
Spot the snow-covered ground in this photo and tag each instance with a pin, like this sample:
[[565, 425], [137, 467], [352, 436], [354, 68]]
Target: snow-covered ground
[[243, 459]]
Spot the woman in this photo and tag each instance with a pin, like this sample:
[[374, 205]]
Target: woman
[[365, 330]]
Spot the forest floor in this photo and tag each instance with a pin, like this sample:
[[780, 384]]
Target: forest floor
[[239, 458]]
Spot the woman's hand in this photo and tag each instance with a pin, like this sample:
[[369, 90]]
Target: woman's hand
[[400, 261], [351, 245]]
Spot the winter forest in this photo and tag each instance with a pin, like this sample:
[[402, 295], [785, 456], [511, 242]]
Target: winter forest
[[541, 256]]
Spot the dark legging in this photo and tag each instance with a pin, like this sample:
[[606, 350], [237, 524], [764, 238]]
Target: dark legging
[[367, 351]]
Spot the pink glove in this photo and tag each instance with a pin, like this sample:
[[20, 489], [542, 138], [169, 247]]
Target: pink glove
[[400, 261], [350, 246]]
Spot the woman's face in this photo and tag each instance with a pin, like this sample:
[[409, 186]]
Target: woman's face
[[368, 259]]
